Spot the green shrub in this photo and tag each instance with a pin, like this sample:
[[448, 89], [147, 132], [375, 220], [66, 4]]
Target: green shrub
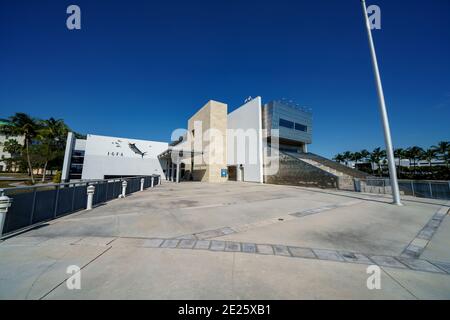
[[57, 177]]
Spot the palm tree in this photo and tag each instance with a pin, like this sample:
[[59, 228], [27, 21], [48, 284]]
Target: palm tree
[[443, 148], [429, 155], [375, 157], [365, 154], [53, 134], [399, 153], [21, 124], [347, 156], [339, 158], [414, 153], [357, 156]]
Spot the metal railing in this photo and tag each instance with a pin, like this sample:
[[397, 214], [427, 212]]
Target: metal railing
[[434, 189], [30, 205]]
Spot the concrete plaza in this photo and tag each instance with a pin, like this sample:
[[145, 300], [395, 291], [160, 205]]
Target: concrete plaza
[[235, 241]]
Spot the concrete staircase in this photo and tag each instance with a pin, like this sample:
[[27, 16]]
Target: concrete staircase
[[344, 174], [312, 170], [345, 181]]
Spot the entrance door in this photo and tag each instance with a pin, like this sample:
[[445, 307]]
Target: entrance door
[[232, 173]]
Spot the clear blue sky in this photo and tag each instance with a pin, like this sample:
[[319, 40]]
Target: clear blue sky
[[140, 69]]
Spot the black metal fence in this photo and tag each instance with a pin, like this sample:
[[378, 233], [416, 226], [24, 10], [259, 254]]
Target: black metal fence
[[36, 204]]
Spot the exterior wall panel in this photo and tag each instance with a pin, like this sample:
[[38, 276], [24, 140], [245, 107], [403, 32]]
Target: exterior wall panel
[[277, 110], [245, 140], [212, 141], [112, 156]]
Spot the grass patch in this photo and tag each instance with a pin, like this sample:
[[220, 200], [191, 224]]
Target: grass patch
[[5, 184]]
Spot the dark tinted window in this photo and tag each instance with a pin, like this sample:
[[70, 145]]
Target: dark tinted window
[[286, 124], [300, 127], [78, 153]]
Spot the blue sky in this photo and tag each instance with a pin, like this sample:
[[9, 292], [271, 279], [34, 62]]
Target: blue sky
[[140, 69]]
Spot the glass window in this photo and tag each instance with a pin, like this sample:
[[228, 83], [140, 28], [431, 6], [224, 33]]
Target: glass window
[[286, 124], [301, 127]]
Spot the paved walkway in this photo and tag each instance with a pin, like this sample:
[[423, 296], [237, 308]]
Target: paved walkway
[[235, 241]]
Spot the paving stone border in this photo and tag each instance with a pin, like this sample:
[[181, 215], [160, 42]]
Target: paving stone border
[[416, 247], [299, 252], [214, 233], [341, 256]]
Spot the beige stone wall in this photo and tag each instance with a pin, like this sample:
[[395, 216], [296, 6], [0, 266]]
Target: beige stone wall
[[209, 137]]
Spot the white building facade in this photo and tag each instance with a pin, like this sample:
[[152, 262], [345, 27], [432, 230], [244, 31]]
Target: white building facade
[[102, 157], [236, 141]]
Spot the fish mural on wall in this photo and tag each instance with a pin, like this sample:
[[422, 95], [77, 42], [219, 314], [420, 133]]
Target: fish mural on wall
[[136, 149]]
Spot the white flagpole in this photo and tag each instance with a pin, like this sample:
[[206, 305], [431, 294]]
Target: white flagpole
[[384, 116]]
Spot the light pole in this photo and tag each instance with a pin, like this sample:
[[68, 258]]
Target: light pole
[[384, 116]]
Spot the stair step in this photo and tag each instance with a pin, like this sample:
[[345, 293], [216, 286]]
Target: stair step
[[325, 168]]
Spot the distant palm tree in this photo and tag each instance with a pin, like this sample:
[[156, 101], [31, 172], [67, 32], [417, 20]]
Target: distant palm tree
[[399, 153], [21, 124], [357, 156], [429, 155], [375, 157], [339, 158], [347, 157], [53, 135], [414, 154], [365, 154], [443, 148]]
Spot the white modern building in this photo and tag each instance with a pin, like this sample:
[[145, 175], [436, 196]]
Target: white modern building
[[216, 146], [101, 157]]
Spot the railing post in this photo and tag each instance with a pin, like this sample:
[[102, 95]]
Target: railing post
[[73, 196], [5, 203], [412, 188], [159, 181], [431, 190], [151, 182], [449, 190], [33, 205], [142, 184], [90, 196], [124, 189], [56, 201]]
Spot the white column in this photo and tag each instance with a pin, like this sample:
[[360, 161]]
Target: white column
[[5, 203], [142, 184], [167, 169], [178, 172], [384, 115], [124, 189], [70, 143], [90, 197], [152, 179]]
